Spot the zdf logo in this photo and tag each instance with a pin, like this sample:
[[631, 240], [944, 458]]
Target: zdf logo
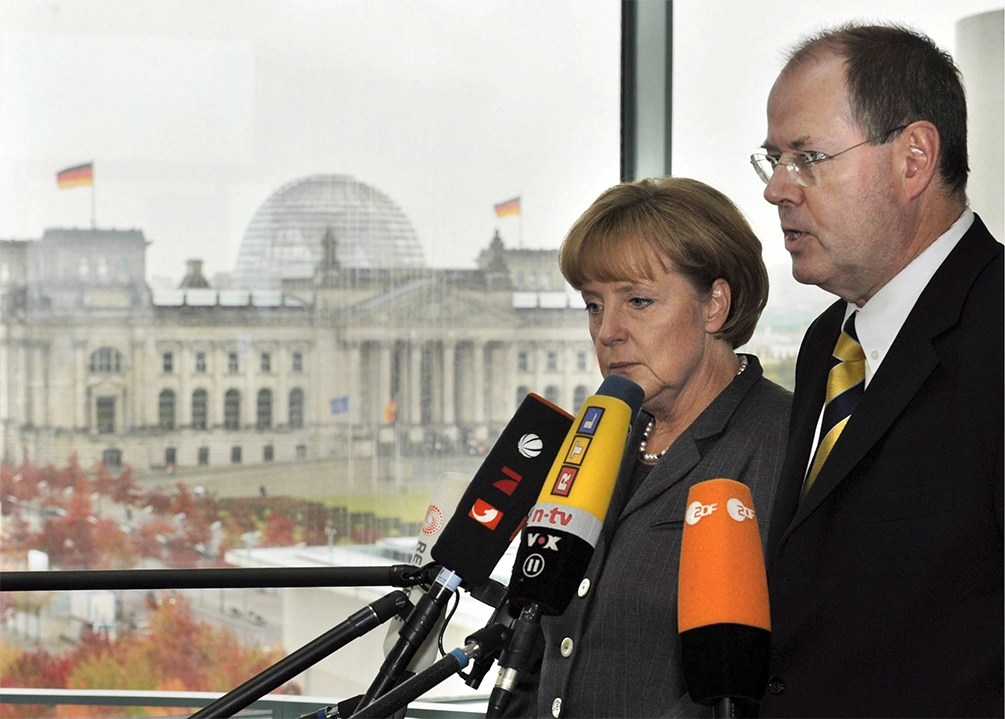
[[697, 510], [739, 511]]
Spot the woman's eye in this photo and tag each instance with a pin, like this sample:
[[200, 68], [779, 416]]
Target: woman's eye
[[640, 302], [592, 308]]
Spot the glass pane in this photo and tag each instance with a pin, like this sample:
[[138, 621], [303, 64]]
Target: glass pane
[[338, 282]]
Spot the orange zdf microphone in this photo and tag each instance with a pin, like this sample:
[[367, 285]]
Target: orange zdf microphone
[[722, 598]]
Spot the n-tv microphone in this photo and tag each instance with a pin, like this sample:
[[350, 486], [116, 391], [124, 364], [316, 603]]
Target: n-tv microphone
[[564, 525], [722, 600], [489, 515]]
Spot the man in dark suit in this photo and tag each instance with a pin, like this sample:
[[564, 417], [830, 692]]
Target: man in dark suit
[[885, 558]]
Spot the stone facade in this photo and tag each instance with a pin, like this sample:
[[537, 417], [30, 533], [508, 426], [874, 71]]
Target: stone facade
[[347, 363]]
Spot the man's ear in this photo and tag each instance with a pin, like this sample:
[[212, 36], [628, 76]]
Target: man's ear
[[717, 308], [920, 154]]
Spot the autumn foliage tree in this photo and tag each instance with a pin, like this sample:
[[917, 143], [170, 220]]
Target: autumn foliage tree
[[176, 652]]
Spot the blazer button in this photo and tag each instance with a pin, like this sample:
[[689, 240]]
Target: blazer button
[[566, 647], [776, 685], [584, 587], [556, 707]]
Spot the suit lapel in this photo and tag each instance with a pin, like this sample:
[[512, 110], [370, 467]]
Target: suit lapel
[[912, 359], [811, 386]]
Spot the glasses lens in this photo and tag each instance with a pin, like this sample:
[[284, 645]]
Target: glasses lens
[[762, 166]]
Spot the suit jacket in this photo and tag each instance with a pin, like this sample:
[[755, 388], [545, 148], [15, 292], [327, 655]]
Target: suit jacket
[[886, 581], [623, 628]]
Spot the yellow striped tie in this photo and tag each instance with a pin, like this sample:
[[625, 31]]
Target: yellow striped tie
[[845, 385]]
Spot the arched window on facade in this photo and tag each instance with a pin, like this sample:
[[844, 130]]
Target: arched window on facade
[[165, 409], [579, 397], [106, 359], [264, 409], [232, 409], [200, 414], [551, 393], [296, 408]]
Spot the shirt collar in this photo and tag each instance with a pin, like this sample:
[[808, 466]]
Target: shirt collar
[[880, 319]]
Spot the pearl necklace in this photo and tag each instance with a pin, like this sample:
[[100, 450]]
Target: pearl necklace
[[646, 457]]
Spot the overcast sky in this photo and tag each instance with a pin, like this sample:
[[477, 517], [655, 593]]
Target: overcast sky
[[196, 111]]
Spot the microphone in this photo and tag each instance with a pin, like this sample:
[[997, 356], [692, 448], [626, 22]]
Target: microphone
[[489, 515], [449, 489], [722, 600], [564, 526]]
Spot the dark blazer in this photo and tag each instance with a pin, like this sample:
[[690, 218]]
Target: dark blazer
[[624, 660], [886, 581]]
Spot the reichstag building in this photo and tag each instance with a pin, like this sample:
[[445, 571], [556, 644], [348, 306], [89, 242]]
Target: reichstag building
[[333, 340]]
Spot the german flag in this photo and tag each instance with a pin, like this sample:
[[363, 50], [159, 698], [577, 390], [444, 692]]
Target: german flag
[[77, 176], [510, 207]]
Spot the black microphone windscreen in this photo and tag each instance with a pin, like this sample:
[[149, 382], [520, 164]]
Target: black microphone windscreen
[[496, 503]]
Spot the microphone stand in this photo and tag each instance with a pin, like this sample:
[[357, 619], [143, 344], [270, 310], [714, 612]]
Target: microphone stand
[[358, 624], [395, 575], [516, 659], [485, 641]]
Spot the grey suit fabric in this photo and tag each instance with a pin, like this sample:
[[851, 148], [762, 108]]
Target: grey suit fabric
[[625, 649], [886, 581]]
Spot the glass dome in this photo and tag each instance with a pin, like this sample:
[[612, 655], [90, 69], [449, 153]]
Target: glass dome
[[284, 237]]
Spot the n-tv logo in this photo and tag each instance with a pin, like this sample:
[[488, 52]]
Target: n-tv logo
[[485, 514]]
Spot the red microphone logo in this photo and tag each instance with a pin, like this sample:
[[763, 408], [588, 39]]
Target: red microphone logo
[[484, 513]]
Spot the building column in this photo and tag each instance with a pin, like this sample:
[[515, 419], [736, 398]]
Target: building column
[[449, 389], [478, 370], [415, 383]]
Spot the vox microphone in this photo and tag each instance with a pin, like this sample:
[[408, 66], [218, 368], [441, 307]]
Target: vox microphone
[[722, 600], [488, 516], [564, 525]]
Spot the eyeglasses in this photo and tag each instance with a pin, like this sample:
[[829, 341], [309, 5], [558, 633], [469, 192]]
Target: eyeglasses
[[802, 166]]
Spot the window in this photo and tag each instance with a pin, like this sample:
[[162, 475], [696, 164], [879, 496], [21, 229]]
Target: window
[[235, 455], [103, 267], [296, 409], [112, 458], [522, 361], [263, 415], [521, 394], [170, 457], [551, 393], [167, 363], [165, 410], [83, 267], [105, 415], [301, 451], [580, 361], [267, 453], [106, 359], [579, 397], [298, 362], [232, 409], [266, 362], [199, 409], [553, 361], [203, 455], [200, 362], [232, 365]]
